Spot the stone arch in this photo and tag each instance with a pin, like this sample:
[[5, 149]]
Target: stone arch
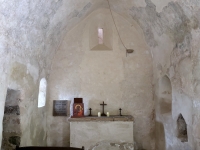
[[165, 95], [42, 93], [182, 129]]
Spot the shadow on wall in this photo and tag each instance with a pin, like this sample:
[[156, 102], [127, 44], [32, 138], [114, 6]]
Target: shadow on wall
[[160, 136]]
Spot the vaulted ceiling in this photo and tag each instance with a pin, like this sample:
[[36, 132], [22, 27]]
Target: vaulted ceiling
[[34, 29]]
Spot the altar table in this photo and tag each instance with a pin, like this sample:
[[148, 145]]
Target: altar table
[[90, 131]]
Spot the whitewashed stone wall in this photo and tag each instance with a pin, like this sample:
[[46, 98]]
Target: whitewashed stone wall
[[99, 76], [172, 34], [31, 31]]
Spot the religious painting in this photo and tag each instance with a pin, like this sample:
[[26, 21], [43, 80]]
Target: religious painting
[[78, 108]]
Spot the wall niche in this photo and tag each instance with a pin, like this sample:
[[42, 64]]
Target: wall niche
[[164, 123], [182, 129], [11, 121], [165, 95], [101, 32]]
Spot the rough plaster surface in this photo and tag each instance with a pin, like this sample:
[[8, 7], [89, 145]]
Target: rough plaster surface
[[11, 121], [88, 134], [31, 31], [172, 36], [98, 76]]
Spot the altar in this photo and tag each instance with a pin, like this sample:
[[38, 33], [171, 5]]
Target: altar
[[96, 133]]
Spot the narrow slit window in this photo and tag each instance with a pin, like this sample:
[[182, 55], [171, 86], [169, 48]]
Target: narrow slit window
[[100, 35], [42, 93]]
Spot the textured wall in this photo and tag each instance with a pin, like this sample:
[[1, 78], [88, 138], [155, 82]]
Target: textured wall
[[110, 132], [11, 121], [172, 34], [99, 76], [30, 32]]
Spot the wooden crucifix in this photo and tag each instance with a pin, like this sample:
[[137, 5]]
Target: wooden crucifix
[[103, 114]]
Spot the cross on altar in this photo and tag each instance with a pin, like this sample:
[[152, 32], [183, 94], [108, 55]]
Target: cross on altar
[[103, 114], [120, 112], [90, 112]]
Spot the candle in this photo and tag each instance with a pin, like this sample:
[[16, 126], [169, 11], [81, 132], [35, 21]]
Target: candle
[[99, 114], [108, 114]]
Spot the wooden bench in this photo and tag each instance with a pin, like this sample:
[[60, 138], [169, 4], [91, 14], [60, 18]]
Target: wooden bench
[[47, 148]]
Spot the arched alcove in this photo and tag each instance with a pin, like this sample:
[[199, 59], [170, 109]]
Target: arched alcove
[[164, 123], [42, 93], [182, 129], [165, 95]]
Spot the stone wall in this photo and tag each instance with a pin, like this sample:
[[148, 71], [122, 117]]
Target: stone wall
[[11, 121], [25, 57], [97, 76], [172, 34], [30, 33]]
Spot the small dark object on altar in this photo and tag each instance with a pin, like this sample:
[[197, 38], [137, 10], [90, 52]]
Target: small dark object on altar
[[120, 112], [90, 112]]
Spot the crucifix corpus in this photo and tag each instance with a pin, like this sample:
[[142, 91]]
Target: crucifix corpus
[[103, 114]]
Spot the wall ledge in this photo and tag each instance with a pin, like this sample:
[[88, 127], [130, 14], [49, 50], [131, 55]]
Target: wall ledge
[[96, 119]]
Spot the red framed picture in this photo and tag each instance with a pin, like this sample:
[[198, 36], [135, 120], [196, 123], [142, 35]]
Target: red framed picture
[[78, 110]]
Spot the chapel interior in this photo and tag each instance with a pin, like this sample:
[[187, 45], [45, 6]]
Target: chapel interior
[[142, 56]]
